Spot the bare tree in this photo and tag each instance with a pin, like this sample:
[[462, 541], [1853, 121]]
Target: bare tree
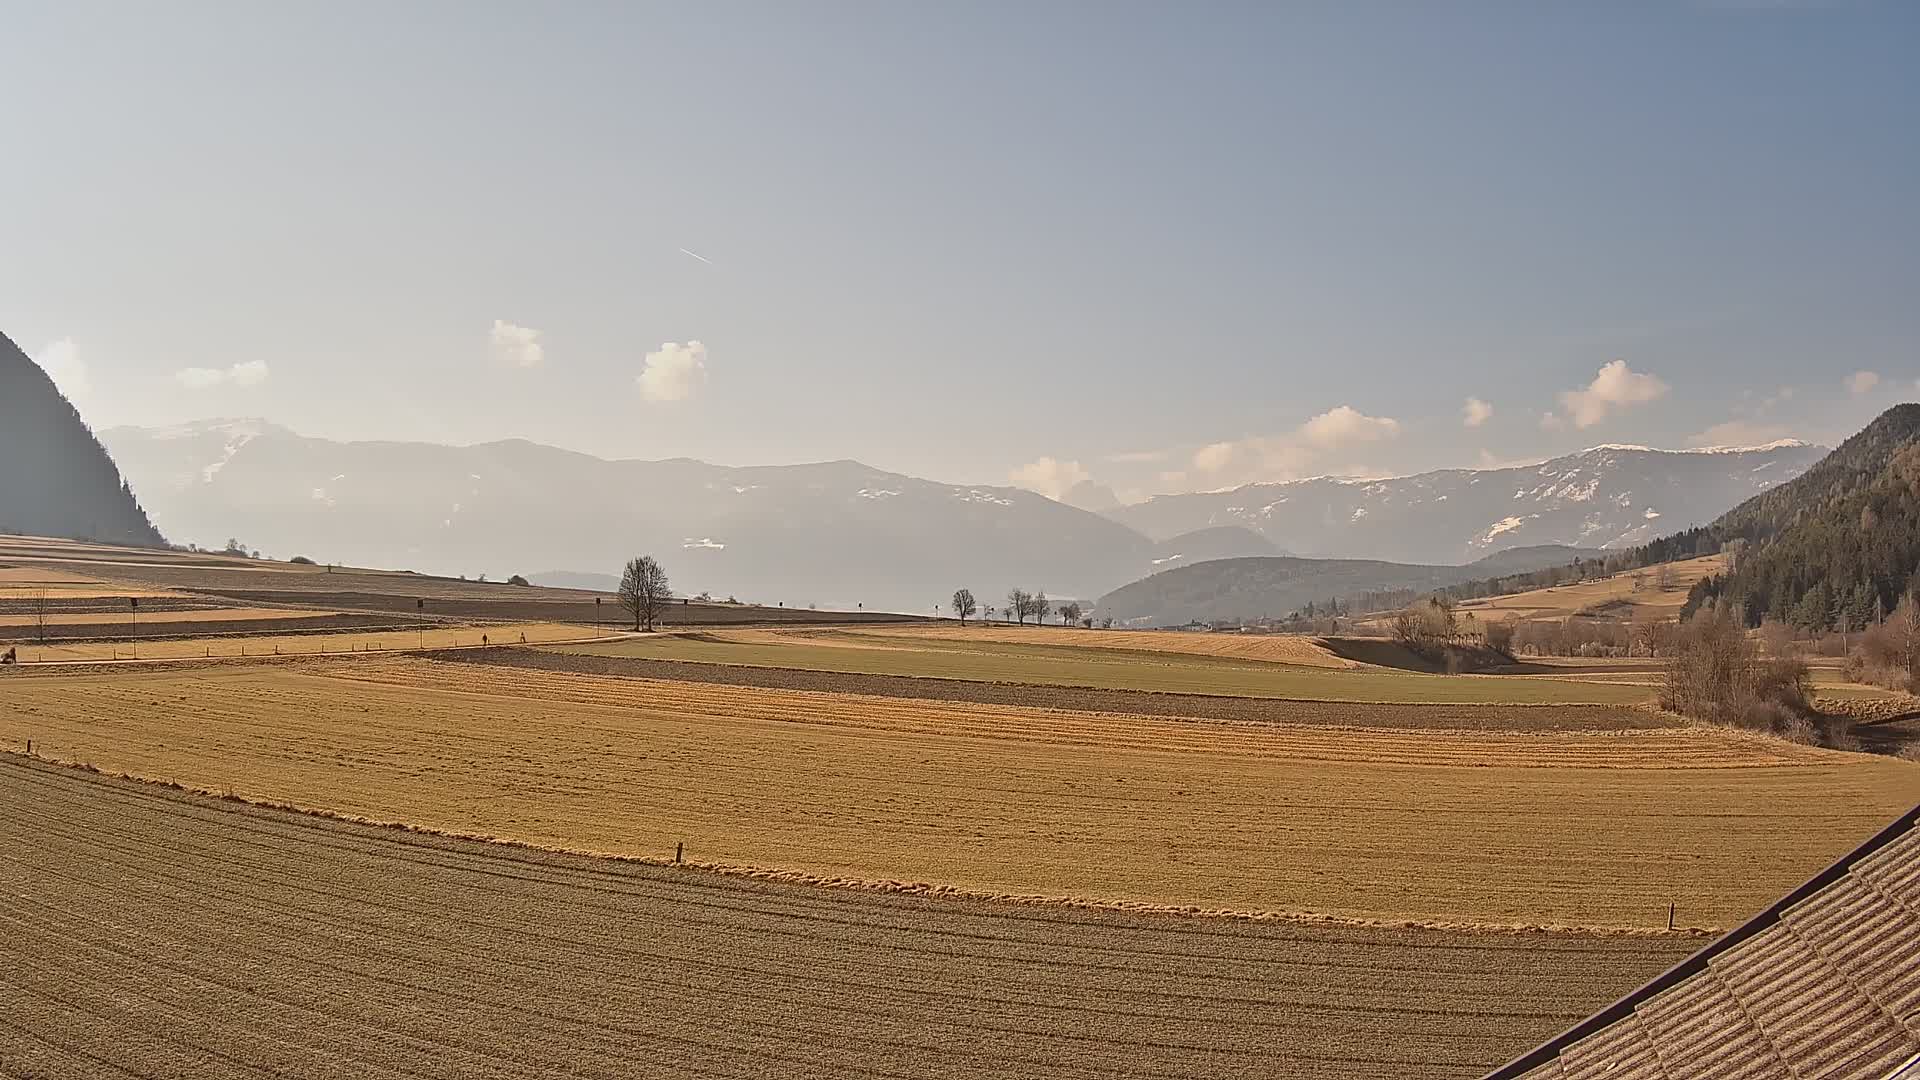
[[963, 604], [1069, 613], [1019, 604], [1040, 607], [644, 591]]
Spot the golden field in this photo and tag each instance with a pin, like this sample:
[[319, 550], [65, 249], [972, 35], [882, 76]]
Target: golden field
[[308, 644], [1503, 828]]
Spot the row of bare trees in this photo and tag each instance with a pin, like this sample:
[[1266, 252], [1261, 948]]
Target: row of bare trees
[[1021, 606]]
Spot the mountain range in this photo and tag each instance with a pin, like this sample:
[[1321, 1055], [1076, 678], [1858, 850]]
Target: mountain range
[[1605, 497], [55, 479], [845, 534]]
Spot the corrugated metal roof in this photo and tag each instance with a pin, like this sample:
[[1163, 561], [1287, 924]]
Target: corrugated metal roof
[[1823, 985]]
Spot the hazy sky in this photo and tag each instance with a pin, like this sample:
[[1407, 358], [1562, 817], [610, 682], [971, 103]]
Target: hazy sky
[[1169, 247]]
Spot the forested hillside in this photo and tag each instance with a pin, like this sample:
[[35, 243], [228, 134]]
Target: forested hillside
[[55, 478], [1838, 545]]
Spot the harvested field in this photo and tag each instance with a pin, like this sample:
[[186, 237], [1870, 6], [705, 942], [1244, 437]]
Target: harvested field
[[121, 616], [1585, 829], [142, 923], [1107, 668], [1088, 699], [1274, 648], [312, 644], [112, 637]]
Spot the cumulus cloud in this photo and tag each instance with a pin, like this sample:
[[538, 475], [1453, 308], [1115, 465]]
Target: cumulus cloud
[[1347, 426], [1615, 387], [1287, 456], [673, 372], [1862, 382], [1750, 424], [61, 361], [1739, 433], [1049, 476], [1475, 412], [250, 373], [516, 346]]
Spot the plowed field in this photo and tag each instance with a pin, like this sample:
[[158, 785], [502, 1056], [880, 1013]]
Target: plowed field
[[1274, 648], [151, 933], [1595, 829], [1039, 663]]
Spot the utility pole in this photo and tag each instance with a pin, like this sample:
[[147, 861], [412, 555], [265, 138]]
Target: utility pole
[[134, 604]]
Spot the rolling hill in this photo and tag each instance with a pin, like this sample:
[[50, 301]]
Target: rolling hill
[[1260, 588], [55, 478], [1841, 542]]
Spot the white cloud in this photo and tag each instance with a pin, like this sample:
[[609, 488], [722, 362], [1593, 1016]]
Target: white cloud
[[1862, 382], [61, 361], [1345, 426], [673, 372], [1616, 386], [249, 373], [1286, 457], [1475, 412], [1738, 433], [1213, 458], [1550, 421], [1048, 476], [517, 346]]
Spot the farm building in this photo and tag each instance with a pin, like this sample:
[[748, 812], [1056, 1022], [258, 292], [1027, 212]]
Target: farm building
[[1825, 983]]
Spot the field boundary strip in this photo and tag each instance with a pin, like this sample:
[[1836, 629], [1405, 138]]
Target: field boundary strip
[[900, 888], [545, 647]]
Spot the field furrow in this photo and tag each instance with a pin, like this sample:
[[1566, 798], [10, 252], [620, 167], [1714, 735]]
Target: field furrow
[[144, 920]]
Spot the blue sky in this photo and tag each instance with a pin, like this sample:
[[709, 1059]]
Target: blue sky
[[1160, 247]]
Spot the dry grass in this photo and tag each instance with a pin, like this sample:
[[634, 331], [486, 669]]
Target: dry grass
[[1618, 593], [284, 644], [1273, 648], [1488, 828], [173, 935]]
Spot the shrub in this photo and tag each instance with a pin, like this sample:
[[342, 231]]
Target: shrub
[[1715, 673], [517, 580], [301, 560], [1500, 637]]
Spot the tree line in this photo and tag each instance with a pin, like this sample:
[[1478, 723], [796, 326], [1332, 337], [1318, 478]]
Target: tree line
[[1021, 606]]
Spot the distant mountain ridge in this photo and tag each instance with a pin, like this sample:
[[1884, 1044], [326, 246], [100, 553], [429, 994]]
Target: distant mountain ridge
[[1253, 589], [1610, 496], [836, 534], [55, 477]]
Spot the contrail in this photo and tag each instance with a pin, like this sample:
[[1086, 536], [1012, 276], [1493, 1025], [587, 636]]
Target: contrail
[[697, 255]]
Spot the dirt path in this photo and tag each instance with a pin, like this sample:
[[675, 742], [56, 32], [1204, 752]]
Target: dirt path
[[153, 933]]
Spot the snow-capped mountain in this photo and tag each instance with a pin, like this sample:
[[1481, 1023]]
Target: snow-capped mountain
[[836, 533], [1605, 497]]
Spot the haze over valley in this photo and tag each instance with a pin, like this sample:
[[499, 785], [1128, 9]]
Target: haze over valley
[[824, 539]]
